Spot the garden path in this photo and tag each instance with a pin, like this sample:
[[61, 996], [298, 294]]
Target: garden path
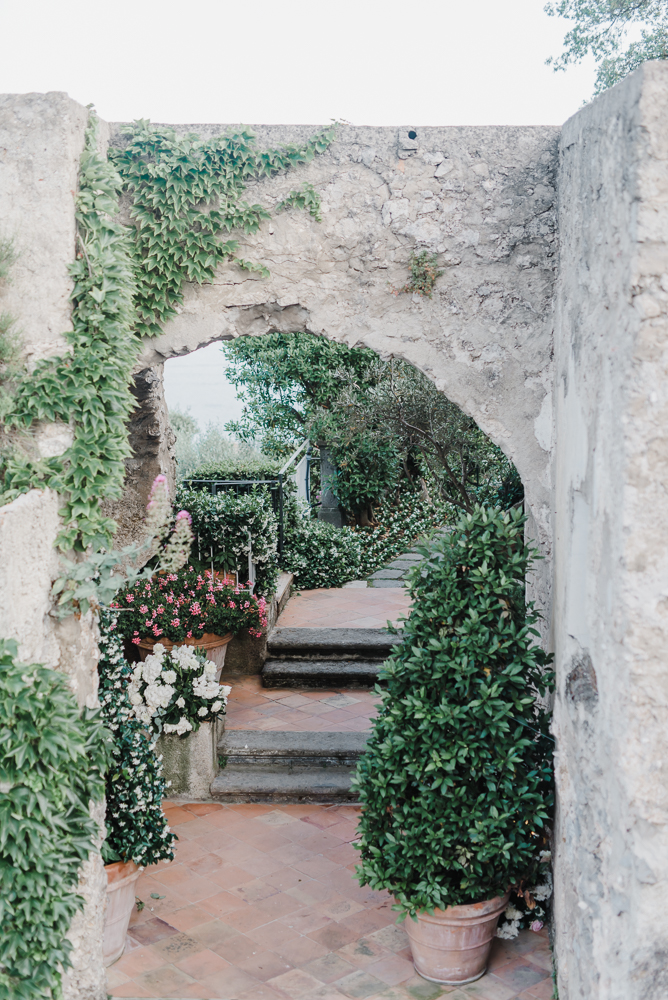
[[345, 607], [261, 904]]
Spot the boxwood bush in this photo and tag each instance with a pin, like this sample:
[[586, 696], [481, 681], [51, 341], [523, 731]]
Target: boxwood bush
[[456, 782]]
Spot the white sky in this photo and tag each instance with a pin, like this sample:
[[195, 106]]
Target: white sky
[[370, 62]]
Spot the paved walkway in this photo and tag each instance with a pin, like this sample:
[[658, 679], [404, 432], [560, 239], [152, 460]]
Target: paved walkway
[[345, 607], [250, 706], [261, 904]]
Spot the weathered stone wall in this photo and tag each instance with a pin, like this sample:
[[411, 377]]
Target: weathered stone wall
[[484, 199], [611, 546]]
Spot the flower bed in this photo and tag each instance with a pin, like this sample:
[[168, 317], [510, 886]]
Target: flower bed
[[186, 605]]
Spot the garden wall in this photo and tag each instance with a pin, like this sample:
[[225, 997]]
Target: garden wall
[[611, 545], [484, 199]]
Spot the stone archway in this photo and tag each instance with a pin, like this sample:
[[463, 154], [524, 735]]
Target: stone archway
[[482, 198]]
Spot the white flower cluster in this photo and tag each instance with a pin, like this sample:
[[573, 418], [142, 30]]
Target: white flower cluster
[[156, 685], [512, 928]]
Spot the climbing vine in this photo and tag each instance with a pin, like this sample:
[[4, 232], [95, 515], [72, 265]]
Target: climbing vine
[[185, 194], [307, 198]]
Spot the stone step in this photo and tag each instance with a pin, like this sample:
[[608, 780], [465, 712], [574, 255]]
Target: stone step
[[290, 751], [317, 673], [330, 643], [247, 782], [386, 584]]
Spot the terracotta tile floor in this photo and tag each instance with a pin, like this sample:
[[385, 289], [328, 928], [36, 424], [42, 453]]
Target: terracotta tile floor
[[345, 608], [261, 904], [250, 706]]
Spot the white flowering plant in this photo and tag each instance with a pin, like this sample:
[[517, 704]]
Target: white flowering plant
[[174, 692], [136, 827], [530, 899]]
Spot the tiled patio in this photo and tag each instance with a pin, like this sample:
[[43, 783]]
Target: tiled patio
[[345, 608], [261, 904], [250, 706]]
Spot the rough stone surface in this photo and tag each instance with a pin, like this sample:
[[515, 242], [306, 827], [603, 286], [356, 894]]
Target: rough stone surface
[[611, 546], [191, 763], [483, 198], [320, 673]]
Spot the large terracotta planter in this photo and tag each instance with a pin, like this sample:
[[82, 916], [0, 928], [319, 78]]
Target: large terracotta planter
[[121, 879], [215, 647], [452, 946]]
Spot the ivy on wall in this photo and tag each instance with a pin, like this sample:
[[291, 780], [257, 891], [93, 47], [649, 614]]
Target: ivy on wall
[[185, 194], [89, 387]]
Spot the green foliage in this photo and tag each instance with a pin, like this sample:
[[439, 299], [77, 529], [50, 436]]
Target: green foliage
[[283, 379], [601, 28], [456, 783], [137, 828], [318, 554], [224, 525], [88, 387], [195, 448], [306, 198], [52, 761], [400, 525], [185, 195], [424, 272], [246, 465]]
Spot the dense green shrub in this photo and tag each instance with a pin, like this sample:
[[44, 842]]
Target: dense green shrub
[[137, 828], [52, 762], [400, 525], [318, 554], [222, 526], [456, 783], [245, 466]]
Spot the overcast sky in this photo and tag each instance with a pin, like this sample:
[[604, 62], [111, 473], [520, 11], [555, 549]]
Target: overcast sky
[[370, 62]]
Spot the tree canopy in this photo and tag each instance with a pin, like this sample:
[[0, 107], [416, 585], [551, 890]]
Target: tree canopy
[[602, 27], [387, 427]]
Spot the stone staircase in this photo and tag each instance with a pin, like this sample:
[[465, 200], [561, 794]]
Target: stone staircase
[[286, 766]]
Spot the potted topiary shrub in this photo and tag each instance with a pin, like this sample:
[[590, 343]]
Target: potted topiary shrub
[[456, 781], [188, 608], [137, 833]]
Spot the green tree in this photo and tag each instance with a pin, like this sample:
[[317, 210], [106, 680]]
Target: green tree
[[456, 780], [601, 29], [386, 425]]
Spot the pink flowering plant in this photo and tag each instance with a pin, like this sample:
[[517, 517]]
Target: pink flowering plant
[[187, 604]]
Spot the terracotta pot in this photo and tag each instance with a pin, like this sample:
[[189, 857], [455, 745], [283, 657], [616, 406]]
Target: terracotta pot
[[121, 879], [452, 946], [215, 647]]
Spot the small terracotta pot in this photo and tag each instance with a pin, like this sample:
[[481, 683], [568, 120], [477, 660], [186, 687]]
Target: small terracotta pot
[[121, 879], [452, 946], [215, 647]]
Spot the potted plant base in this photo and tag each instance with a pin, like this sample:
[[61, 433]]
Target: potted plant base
[[190, 763], [214, 646], [121, 879], [452, 946]]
